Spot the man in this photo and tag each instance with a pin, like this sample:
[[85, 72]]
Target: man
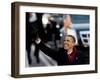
[[68, 55]]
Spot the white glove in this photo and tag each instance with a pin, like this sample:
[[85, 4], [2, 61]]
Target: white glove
[[38, 40]]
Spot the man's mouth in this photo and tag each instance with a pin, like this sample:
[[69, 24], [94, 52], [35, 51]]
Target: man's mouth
[[66, 45]]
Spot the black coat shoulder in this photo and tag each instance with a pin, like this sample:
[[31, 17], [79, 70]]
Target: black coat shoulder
[[82, 57]]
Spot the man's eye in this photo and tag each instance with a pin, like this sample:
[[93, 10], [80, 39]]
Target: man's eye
[[65, 40]]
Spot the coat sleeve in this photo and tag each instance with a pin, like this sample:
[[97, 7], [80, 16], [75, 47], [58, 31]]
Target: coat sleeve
[[48, 51]]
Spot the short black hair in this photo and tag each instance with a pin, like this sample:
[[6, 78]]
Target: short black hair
[[74, 40]]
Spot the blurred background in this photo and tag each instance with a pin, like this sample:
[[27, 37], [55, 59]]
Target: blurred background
[[49, 28]]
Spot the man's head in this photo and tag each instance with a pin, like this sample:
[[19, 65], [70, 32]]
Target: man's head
[[67, 21], [69, 42]]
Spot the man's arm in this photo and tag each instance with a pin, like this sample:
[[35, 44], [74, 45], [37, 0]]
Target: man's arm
[[48, 51]]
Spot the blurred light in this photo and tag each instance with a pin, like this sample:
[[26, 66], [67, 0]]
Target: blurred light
[[61, 35], [44, 20], [57, 26]]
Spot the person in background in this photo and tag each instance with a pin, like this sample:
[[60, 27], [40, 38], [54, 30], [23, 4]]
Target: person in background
[[67, 29], [33, 25], [28, 37], [51, 29]]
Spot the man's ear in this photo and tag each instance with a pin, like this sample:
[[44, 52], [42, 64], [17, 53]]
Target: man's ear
[[73, 43]]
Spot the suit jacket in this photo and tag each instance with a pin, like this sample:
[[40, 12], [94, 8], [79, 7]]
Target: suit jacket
[[60, 56]]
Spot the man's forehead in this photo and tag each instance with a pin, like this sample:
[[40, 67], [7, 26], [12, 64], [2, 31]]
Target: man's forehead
[[69, 37]]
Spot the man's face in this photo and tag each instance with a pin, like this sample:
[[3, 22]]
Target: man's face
[[67, 21], [68, 43]]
